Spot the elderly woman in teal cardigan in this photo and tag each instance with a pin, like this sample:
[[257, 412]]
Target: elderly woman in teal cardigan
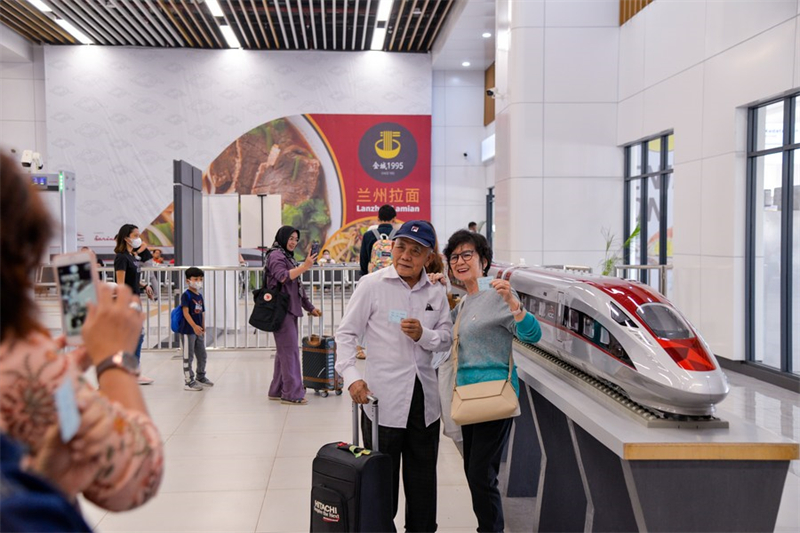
[[490, 319]]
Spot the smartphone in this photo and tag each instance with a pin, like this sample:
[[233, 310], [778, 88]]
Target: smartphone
[[76, 277], [315, 248]]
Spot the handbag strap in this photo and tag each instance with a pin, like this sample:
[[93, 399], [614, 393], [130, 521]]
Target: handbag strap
[[266, 273], [454, 349]]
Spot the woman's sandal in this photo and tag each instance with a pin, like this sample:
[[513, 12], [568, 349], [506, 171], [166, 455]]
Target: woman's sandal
[[300, 401], [276, 398]]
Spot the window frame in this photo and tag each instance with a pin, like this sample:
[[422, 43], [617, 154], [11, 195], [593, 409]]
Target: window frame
[[664, 174], [789, 148]]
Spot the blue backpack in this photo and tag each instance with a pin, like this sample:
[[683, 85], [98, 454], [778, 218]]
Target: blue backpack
[[176, 319]]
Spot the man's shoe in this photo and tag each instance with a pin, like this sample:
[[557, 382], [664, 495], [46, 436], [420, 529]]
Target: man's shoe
[[144, 380], [205, 382], [193, 385]]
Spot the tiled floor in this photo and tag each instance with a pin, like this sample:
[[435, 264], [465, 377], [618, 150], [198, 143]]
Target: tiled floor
[[236, 461]]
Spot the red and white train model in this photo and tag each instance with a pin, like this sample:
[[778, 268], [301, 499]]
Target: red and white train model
[[622, 332]]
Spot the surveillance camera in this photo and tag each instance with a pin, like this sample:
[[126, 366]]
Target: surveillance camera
[[491, 92], [27, 158]]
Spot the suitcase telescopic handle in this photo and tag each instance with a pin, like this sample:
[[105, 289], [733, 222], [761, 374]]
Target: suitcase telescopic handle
[[356, 411]]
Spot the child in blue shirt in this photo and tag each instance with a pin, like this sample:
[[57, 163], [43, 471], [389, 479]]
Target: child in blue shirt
[[192, 331]]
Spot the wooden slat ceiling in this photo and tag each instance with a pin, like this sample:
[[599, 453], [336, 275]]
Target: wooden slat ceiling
[[258, 24]]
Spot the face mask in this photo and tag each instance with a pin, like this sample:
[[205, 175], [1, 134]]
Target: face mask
[[196, 284], [136, 243]]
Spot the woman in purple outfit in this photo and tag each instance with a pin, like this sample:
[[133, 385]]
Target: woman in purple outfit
[[287, 380]]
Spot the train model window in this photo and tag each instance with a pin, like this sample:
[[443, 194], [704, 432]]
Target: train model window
[[665, 322], [588, 327], [619, 316], [605, 337], [574, 320], [551, 311], [542, 309]]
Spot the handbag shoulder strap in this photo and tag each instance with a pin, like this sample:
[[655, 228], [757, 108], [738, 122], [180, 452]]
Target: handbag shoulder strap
[[454, 349], [266, 273]]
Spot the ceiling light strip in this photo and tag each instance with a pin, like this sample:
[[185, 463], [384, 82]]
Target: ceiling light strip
[[431, 16], [397, 20], [226, 27], [271, 25], [280, 20], [34, 21], [235, 18], [246, 17], [214, 8], [85, 12], [168, 25], [259, 24], [439, 24], [135, 29], [408, 25], [230, 36], [192, 15], [138, 11], [186, 41], [64, 13], [212, 27], [313, 23], [22, 19], [72, 30], [416, 26], [366, 25], [302, 23], [148, 12], [324, 25]]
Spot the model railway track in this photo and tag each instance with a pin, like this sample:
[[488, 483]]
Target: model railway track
[[613, 396]]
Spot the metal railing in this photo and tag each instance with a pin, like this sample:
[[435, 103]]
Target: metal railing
[[228, 296], [621, 271]]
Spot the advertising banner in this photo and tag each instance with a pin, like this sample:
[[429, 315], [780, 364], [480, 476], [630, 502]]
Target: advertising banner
[[333, 173]]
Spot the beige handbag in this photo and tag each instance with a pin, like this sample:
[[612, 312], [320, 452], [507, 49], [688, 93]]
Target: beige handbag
[[482, 402]]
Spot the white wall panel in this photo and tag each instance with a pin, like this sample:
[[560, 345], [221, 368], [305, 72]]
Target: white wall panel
[[630, 119], [729, 23], [463, 78], [438, 186], [581, 13], [797, 54], [438, 146], [575, 211], [16, 71], [526, 13], [579, 140], [463, 106], [525, 138], [17, 99], [438, 106], [688, 208], [526, 72], [756, 69], [466, 185], [527, 213], [19, 135], [674, 37], [722, 294], [631, 57], [586, 258], [460, 140], [580, 64], [677, 104], [723, 200]]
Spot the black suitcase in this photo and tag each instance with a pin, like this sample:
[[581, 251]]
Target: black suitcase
[[319, 358], [351, 488]]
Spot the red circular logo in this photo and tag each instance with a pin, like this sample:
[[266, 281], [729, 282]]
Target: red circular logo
[[267, 297]]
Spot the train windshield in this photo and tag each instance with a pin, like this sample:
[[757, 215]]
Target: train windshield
[[665, 322]]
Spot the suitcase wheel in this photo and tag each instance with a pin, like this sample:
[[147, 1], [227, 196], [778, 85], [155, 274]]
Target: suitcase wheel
[[338, 392], [324, 393]]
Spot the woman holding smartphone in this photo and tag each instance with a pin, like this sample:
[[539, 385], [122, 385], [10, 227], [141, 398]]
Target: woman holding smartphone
[[116, 455], [131, 253]]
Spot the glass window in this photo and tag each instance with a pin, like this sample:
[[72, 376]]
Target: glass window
[[769, 171], [670, 151], [635, 159], [654, 155], [769, 126], [588, 327], [653, 219], [796, 265], [604, 336], [796, 138], [635, 195], [664, 321]]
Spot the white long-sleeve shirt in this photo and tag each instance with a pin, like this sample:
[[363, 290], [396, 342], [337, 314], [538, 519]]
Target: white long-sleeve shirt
[[394, 360]]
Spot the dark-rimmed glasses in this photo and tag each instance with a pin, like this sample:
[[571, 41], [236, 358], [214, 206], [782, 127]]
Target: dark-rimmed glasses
[[466, 256]]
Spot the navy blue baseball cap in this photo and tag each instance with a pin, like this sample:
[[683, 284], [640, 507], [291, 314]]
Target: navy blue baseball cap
[[419, 231]]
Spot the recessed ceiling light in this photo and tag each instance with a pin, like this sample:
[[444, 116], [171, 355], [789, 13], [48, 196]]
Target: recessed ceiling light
[[465, 64], [486, 35]]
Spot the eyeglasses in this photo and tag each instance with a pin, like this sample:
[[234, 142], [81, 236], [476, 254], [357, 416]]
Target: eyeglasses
[[466, 256]]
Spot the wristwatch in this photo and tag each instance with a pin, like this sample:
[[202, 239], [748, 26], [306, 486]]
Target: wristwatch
[[520, 310], [123, 360]]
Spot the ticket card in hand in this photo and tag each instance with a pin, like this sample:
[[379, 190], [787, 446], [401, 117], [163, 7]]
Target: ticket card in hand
[[484, 284], [397, 316]]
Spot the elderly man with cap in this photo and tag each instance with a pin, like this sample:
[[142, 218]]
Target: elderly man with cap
[[405, 318]]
